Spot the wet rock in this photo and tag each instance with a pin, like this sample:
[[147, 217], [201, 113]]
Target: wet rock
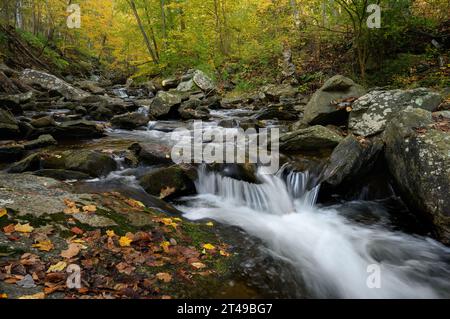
[[62, 174], [14, 102], [277, 112], [193, 110], [78, 129], [29, 163], [168, 182], [92, 87], [41, 122], [241, 172], [41, 141], [321, 110], [309, 139], [52, 83], [152, 153], [374, 110], [102, 107], [203, 81], [94, 163], [351, 160], [170, 83], [275, 92], [9, 126], [129, 121], [12, 152], [164, 103], [418, 156]]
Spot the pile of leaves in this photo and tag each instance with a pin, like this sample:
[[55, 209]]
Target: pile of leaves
[[152, 263]]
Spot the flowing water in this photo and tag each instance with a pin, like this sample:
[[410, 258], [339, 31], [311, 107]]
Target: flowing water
[[332, 255]]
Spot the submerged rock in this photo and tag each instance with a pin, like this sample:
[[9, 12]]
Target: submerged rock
[[321, 109], [309, 139], [418, 156], [52, 83], [374, 110]]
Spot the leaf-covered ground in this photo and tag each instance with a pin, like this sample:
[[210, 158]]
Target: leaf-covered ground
[[130, 251]]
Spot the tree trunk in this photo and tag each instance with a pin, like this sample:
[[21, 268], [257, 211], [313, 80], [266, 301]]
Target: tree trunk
[[144, 34]]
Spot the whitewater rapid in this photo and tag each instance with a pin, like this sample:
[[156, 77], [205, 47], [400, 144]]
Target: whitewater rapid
[[333, 257]]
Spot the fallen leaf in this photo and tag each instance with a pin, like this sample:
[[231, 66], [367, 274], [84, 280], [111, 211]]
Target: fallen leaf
[[71, 210], [39, 295], [210, 224], [198, 265], [89, 209], [3, 296], [125, 241], [209, 247], [9, 229], [26, 228], [72, 251], [163, 276], [77, 231], [134, 203], [60, 266], [165, 246], [224, 253], [110, 233], [3, 212], [167, 191], [44, 245]]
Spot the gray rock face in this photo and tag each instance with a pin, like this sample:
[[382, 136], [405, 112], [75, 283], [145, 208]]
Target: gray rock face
[[52, 83], [374, 110], [9, 127], [418, 156], [129, 121], [14, 102], [187, 86], [321, 110], [163, 103], [351, 160], [203, 81], [309, 139], [92, 87]]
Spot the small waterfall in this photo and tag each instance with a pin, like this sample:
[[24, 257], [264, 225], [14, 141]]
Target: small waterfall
[[273, 195]]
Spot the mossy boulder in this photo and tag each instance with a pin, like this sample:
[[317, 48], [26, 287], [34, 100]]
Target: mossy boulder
[[309, 139]]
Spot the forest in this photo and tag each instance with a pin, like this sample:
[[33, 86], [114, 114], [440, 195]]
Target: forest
[[224, 149]]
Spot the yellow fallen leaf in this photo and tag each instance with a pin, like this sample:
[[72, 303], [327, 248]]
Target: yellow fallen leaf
[[224, 253], [26, 228], [163, 276], [3, 296], [46, 245], [110, 233], [134, 203], [125, 241], [3, 212], [39, 295], [78, 241], [165, 246], [209, 246], [89, 209], [71, 210], [177, 219], [198, 265], [57, 267], [210, 224]]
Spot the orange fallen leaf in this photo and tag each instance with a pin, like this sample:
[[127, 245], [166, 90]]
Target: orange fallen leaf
[[9, 229], [125, 241], [3, 296], [198, 265], [110, 233], [163, 276], [77, 231], [89, 209], [39, 295], [72, 251]]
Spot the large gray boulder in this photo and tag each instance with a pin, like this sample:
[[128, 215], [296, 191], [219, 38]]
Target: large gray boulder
[[163, 103], [52, 83], [9, 126], [322, 109], [351, 160], [373, 111], [418, 156], [275, 93], [203, 81], [309, 139]]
